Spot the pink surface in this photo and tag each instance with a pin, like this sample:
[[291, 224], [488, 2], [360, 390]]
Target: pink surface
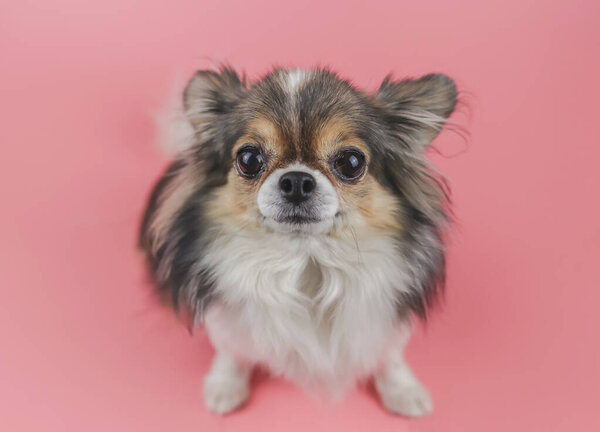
[[84, 347]]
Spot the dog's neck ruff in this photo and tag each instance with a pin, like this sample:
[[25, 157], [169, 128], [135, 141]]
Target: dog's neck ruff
[[316, 309]]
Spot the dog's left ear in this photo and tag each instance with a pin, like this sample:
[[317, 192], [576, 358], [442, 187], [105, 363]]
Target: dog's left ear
[[417, 109]]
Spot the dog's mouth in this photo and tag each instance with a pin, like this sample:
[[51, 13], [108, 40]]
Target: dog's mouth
[[300, 222], [297, 219], [297, 215]]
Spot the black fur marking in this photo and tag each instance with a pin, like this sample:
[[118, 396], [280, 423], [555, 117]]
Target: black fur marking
[[188, 244], [144, 239]]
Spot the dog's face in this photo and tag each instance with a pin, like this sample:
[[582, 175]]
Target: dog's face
[[307, 152], [304, 172]]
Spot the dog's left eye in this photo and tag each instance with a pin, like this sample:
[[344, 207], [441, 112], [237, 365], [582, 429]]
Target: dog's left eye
[[250, 161], [349, 165]]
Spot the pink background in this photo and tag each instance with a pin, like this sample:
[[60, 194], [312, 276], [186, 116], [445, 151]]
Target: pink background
[[83, 345]]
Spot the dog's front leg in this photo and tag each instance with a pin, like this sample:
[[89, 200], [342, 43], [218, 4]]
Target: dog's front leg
[[226, 386], [399, 389]]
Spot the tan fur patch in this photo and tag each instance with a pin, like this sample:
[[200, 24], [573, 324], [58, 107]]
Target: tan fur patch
[[263, 133], [379, 208], [235, 202], [335, 135]]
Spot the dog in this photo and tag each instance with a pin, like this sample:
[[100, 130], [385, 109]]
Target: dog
[[303, 227]]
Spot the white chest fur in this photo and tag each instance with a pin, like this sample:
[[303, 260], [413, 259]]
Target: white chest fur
[[317, 310]]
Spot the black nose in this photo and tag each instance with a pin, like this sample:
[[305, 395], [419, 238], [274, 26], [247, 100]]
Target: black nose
[[297, 186]]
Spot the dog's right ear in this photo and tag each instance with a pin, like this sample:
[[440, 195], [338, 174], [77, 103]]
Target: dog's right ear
[[210, 94]]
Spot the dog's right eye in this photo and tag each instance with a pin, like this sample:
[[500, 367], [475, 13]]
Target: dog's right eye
[[250, 161]]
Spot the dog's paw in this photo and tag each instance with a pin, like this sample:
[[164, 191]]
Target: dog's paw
[[410, 401], [224, 394]]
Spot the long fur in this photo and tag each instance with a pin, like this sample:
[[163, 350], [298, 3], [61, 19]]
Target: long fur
[[319, 309]]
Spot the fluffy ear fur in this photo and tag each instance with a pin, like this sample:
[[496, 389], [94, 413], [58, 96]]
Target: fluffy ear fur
[[208, 100], [417, 108], [210, 94]]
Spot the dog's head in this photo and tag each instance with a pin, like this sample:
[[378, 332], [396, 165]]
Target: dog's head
[[306, 152], [301, 154]]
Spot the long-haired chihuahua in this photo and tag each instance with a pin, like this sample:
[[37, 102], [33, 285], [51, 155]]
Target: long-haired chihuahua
[[302, 226]]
